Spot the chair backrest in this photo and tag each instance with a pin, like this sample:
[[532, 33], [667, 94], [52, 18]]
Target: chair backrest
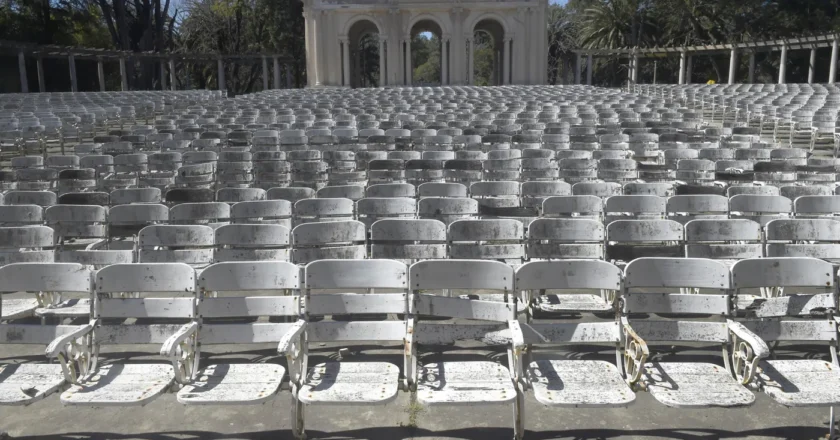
[[816, 206], [26, 244], [246, 242], [381, 287], [21, 215], [631, 239], [482, 278], [76, 221], [352, 192], [497, 239], [369, 210], [128, 220], [565, 238], [598, 189], [591, 207], [684, 208], [678, 286], [247, 290], [634, 207], [122, 292], [760, 208], [434, 189], [40, 198], [392, 190], [135, 195], [40, 279], [292, 194], [772, 276], [322, 210], [447, 209], [408, 239], [572, 282], [815, 238], [213, 214], [234, 195], [534, 193], [328, 240], [733, 239], [190, 244]]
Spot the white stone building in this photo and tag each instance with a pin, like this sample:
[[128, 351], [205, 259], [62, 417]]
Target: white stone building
[[334, 28]]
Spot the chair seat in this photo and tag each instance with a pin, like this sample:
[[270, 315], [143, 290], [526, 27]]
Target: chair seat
[[23, 384], [578, 383], [343, 383], [18, 308], [71, 308], [233, 384], [572, 303], [802, 382], [460, 383], [694, 385], [121, 385]]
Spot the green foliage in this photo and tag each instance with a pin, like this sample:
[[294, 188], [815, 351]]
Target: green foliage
[[425, 57]]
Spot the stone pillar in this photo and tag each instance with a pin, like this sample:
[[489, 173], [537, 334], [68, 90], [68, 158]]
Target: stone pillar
[[635, 70], [277, 73], [689, 69], [162, 75], [172, 78], [506, 61], [783, 65], [681, 74], [39, 65], [310, 51], [123, 75], [74, 85], [733, 65], [812, 65], [444, 61], [316, 49], [832, 69], [221, 79], [345, 62], [265, 73], [577, 68], [24, 82], [100, 73], [471, 65], [751, 73], [289, 73], [408, 71], [589, 69], [383, 56]]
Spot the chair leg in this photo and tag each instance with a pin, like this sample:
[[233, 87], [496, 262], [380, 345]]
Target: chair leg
[[519, 414], [298, 425], [831, 423]]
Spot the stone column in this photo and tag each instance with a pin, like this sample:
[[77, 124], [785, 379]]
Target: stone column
[[832, 69], [589, 69], [277, 73], [265, 73], [162, 75], [783, 65], [635, 67], [310, 50], [577, 68], [812, 65], [317, 41], [383, 56], [471, 65], [345, 61], [506, 61], [408, 61], [689, 69], [123, 75], [221, 78], [172, 78], [39, 65], [681, 74], [24, 82], [74, 85], [733, 65], [444, 61], [751, 73], [100, 73]]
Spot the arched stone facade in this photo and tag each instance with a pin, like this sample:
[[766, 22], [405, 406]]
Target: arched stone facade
[[518, 30]]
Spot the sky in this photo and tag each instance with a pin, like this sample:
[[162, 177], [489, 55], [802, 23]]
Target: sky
[[559, 2]]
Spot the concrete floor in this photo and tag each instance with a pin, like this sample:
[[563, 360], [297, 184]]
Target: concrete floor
[[165, 419]]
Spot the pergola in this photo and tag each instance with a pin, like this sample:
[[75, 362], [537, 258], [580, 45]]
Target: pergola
[[686, 53], [39, 52]]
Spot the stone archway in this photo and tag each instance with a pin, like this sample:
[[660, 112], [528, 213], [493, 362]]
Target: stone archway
[[361, 54], [489, 54], [424, 56]]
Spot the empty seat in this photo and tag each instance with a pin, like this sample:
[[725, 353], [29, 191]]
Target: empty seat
[[727, 240], [501, 240], [631, 239], [447, 209], [342, 240], [759, 208], [277, 212], [322, 210], [408, 239], [565, 238], [190, 244], [814, 238], [246, 242], [684, 208]]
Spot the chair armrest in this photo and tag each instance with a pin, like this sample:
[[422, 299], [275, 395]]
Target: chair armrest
[[295, 347], [516, 352], [182, 350], [636, 353], [410, 355], [747, 350], [75, 352]]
